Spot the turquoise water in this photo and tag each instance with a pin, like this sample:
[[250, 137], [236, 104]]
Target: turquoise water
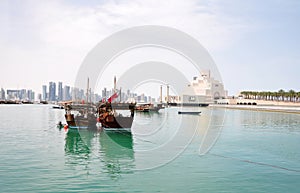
[[250, 151]]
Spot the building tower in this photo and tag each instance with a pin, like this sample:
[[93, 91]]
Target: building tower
[[44, 95], [52, 91], [60, 91]]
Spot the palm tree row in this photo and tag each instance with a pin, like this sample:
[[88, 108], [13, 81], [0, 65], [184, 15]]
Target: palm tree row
[[281, 95]]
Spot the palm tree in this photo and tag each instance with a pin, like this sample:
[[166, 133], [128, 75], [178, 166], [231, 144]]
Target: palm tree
[[276, 95], [281, 93], [292, 94], [255, 94], [246, 94], [297, 96]]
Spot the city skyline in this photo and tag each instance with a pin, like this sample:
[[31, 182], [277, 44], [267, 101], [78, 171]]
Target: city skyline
[[52, 93], [255, 44]]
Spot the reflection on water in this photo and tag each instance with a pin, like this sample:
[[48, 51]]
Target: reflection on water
[[210, 128], [117, 152], [75, 145], [279, 122], [148, 123], [256, 152], [159, 138], [111, 151]]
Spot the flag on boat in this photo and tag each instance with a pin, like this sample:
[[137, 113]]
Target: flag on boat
[[114, 96]]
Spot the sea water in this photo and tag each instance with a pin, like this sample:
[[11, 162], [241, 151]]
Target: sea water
[[218, 151]]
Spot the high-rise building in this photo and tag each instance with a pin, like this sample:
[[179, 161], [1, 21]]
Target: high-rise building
[[39, 97], [30, 95], [75, 93], [52, 91], [2, 94], [66, 93], [44, 95], [81, 95], [23, 94], [150, 99], [97, 98], [60, 91], [13, 94], [104, 93]]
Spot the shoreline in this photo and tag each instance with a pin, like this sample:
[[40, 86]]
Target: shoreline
[[267, 108]]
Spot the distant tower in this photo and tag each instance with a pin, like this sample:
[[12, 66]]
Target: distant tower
[[66, 93], [52, 91], [40, 97], [104, 93], [168, 88], [44, 95], [87, 90], [2, 95], [60, 91]]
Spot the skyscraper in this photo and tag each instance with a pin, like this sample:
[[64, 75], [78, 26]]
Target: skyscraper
[[75, 93], [23, 94], [52, 91], [39, 97], [2, 94], [30, 95], [66, 93], [44, 96], [60, 91], [104, 93]]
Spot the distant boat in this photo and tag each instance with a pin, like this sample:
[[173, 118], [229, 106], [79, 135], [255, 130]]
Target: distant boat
[[189, 112], [148, 107], [43, 102], [189, 104], [142, 108], [57, 107]]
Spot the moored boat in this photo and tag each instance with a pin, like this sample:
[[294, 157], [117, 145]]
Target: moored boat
[[81, 117], [110, 119], [148, 107], [189, 112], [57, 107], [142, 108]]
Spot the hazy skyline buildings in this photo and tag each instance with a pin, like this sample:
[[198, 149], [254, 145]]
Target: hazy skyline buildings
[[44, 94], [60, 92], [52, 91], [2, 94], [66, 93], [18, 95], [69, 93]]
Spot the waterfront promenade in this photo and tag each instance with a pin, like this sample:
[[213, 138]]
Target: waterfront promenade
[[261, 105]]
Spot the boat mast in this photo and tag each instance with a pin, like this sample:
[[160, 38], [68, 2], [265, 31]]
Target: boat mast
[[168, 88], [87, 91], [120, 93], [160, 93]]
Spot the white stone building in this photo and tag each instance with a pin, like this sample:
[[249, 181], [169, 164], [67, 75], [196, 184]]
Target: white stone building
[[204, 89]]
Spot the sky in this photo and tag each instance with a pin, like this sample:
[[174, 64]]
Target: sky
[[255, 44]]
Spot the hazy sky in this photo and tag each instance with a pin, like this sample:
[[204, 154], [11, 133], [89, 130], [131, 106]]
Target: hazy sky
[[255, 44]]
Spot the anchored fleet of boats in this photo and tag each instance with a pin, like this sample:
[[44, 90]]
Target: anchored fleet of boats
[[106, 115]]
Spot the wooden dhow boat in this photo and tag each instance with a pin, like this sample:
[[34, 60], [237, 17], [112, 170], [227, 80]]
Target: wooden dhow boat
[[111, 120]]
